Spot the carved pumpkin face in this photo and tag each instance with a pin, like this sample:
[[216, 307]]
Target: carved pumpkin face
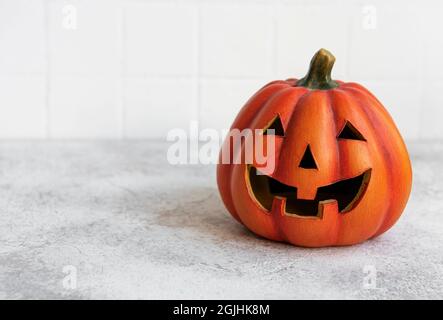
[[341, 170]]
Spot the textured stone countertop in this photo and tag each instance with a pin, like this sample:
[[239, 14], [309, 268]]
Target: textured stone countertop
[[129, 225]]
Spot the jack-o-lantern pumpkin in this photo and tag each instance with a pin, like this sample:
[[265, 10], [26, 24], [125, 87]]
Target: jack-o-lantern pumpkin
[[341, 170]]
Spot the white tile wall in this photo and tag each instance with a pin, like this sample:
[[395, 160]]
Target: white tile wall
[[93, 45], [22, 106], [137, 68], [236, 40], [22, 36], [431, 114], [218, 96], [85, 106], [430, 25], [154, 106], [302, 30], [392, 50], [160, 39]]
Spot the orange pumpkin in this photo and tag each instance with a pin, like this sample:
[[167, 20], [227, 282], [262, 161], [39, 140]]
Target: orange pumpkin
[[342, 173]]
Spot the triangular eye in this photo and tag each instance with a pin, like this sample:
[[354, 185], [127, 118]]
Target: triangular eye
[[350, 132], [275, 125]]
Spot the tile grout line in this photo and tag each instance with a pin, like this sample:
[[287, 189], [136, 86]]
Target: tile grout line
[[274, 37], [198, 86], [48, 72], [421, 90], [122, 129], [349, 23]]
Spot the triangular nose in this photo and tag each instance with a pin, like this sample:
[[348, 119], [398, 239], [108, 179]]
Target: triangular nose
[[307, 161]]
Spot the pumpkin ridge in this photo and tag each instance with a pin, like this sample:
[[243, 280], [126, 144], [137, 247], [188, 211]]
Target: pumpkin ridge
[[351, 86], [297, 103], [374, 123], [374, 102], [285, 125], [335, 116], [402, 147]]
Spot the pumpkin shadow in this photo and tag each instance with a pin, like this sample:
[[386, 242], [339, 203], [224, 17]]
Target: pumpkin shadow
[[201, 210]]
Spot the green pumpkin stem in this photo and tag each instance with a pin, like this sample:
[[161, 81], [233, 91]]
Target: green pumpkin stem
[[319, 74]]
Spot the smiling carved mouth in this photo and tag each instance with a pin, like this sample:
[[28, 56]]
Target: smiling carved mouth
[[346, 192]]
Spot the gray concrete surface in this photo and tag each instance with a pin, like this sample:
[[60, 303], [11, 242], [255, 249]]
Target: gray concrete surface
[[134, 226]]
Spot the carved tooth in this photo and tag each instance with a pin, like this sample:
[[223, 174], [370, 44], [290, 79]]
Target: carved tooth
[[327, 207], [279, 205]]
